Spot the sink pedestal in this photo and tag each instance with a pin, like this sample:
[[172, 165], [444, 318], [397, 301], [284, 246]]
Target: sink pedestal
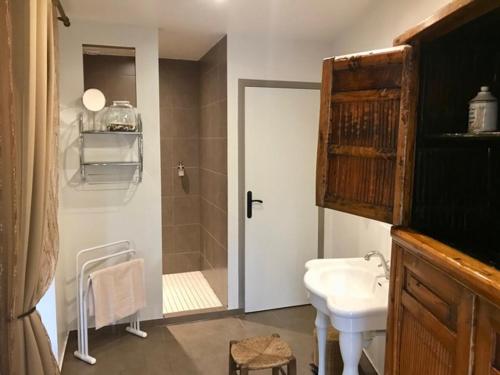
[[351, 346], [322, 322]]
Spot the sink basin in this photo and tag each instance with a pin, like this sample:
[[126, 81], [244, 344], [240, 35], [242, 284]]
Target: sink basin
[[352, 295], [353, 292]]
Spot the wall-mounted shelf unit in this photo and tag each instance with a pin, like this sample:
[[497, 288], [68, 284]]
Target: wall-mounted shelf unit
[[106, 164]]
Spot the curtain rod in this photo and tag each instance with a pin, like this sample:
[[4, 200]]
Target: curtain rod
[[62, 14]]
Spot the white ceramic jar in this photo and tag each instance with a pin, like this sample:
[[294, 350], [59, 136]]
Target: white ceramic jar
[[483, 109]]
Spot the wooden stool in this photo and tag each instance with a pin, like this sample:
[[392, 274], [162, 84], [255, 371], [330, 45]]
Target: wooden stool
[[259, 353]]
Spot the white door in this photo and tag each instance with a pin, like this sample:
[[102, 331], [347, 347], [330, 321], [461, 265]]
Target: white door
[[281, 130]]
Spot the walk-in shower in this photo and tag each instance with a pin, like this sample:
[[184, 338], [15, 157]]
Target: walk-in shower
[[193, 130]]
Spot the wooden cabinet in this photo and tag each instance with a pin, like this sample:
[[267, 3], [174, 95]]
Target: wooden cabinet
[[393, 146], [443, 314], [366, 133], [433, 317], [487, 342]]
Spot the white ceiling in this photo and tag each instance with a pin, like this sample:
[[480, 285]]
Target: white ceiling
[[188, 28]]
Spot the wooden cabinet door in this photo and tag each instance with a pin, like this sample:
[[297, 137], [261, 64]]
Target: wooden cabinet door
[[367, 125], [487, 346], [430, 320]]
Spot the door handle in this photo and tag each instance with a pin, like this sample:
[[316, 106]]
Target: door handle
[[250, 202]]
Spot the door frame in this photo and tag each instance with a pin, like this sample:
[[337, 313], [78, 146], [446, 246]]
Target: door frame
[[242, 85]]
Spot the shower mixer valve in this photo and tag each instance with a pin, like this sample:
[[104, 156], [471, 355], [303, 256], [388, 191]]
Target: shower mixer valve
[[180, 169]]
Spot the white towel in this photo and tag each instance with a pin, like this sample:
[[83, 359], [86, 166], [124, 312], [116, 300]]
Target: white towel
[[116, 292]]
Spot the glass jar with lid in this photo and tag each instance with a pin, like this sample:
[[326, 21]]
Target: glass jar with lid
[[121, 116]]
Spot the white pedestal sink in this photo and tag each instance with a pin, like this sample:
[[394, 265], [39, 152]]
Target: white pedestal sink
[[352, 295]]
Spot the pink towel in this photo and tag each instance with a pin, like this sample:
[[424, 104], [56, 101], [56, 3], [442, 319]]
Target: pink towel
[[116, 292]]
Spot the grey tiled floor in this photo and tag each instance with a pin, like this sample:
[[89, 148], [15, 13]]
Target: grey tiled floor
[[193, 348]]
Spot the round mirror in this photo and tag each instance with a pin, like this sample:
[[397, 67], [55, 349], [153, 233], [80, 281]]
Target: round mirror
[[93, 100]]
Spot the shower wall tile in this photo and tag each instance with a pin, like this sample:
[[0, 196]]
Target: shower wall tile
[[187, 238], [167, 210], [167, 182], [214, 252], [213, 188], [186, 151], [168, 239], [189, 184], [213, 122], [181, 262], [167, 154], [217, 278], [213, 167], [185, 122], [187, 210], [179, 83], [179, 133], [214, 265], [214, 220], [213, 154], [182, 122], [209, 87]]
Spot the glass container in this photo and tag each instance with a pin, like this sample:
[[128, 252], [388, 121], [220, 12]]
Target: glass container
[[121, 116]]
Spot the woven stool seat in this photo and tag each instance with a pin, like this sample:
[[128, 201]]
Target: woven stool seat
[[261, 352]]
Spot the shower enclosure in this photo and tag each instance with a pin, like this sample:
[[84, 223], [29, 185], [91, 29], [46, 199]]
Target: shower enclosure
[[193, 130]]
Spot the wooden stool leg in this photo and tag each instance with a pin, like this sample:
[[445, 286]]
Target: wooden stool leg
[[232, 364], [244, 370], [291, 368], [276, 371]]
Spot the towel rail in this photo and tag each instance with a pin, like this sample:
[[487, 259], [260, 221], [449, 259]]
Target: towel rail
[[82, 297]]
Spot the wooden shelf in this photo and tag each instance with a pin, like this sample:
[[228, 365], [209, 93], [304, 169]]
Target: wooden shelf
[[486, 136]]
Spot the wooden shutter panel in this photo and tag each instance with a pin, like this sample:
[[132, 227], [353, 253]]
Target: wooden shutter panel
[[367, 125]]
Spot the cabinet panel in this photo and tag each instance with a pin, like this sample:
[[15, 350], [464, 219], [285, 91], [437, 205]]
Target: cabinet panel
[[487, 346], [424, 353], [365, 148], [437, 292], [430, 319]]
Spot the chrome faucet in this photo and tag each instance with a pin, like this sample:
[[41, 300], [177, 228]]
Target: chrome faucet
[[383, 263]]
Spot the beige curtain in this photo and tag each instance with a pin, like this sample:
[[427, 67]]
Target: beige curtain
[[30, 182]]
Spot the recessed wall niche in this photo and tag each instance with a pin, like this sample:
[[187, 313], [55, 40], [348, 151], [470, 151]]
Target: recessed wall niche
[[110, 152], [111, 70]]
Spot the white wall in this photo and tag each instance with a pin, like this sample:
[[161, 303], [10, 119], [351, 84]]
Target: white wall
[[47, 310], [382, 22], [90, 215], [348, 235]]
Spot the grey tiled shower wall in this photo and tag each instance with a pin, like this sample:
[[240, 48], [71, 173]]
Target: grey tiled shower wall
[[193, 129], [179, 137], [213, 167]]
